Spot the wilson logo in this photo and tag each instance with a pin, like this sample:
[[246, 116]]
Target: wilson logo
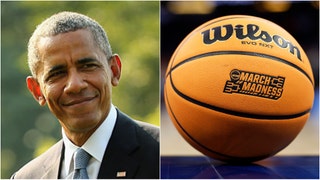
[[250, 31], [255, 84]]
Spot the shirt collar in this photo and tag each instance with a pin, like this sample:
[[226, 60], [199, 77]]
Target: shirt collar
[[97, 142]]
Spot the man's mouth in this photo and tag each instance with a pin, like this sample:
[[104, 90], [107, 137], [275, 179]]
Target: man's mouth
[[78, 101]]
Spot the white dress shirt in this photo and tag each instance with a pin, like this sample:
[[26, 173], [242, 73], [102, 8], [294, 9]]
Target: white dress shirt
[[95, 146]]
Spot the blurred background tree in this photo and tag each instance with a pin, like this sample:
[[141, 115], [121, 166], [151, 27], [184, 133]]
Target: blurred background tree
[[133, 29]]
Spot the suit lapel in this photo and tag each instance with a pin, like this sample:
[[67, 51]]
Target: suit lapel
[[52, 164], [117, 162]]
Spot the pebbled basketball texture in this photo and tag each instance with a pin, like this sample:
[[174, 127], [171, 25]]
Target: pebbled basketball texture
[[239, 88]]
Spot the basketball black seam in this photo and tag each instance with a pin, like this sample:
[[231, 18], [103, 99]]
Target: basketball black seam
[[236, 113], [215, 53], [222, 19], [175, 119], [201, 145]]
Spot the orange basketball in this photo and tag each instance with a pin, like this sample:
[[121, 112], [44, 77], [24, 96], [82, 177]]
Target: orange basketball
[[239, 88]]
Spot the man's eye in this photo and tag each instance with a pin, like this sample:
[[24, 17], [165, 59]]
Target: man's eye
[[89, 66], [55, 75]]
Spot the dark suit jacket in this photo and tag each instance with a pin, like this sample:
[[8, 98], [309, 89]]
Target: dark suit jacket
[[133, 148]]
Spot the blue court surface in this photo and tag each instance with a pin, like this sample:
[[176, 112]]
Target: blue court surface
[[277, 167]]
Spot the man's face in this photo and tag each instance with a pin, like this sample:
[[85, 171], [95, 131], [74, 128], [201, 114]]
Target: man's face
[[75, 80]]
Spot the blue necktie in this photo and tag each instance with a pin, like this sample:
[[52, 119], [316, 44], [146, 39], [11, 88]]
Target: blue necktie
[[81, 159]]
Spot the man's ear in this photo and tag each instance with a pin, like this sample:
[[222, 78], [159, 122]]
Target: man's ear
[[115, 65], [35, 90]]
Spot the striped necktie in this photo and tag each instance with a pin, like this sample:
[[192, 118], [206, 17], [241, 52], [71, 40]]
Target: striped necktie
[[81, 159]]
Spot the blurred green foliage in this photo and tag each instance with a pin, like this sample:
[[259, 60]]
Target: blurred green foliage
[[133, 29]]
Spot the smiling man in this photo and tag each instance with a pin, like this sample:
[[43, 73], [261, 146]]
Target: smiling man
[[73, 72]]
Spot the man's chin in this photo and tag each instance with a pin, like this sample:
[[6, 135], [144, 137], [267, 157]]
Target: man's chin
[[82, 124]]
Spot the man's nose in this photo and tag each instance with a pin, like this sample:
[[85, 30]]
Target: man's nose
[[75, 82]]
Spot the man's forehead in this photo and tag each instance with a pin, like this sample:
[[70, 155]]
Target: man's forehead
[[66, 43], [66, 36]]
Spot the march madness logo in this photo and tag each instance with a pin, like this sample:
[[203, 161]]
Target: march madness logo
[[254, 84]]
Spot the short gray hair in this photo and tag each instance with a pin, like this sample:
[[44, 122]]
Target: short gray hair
[[64, 22]]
